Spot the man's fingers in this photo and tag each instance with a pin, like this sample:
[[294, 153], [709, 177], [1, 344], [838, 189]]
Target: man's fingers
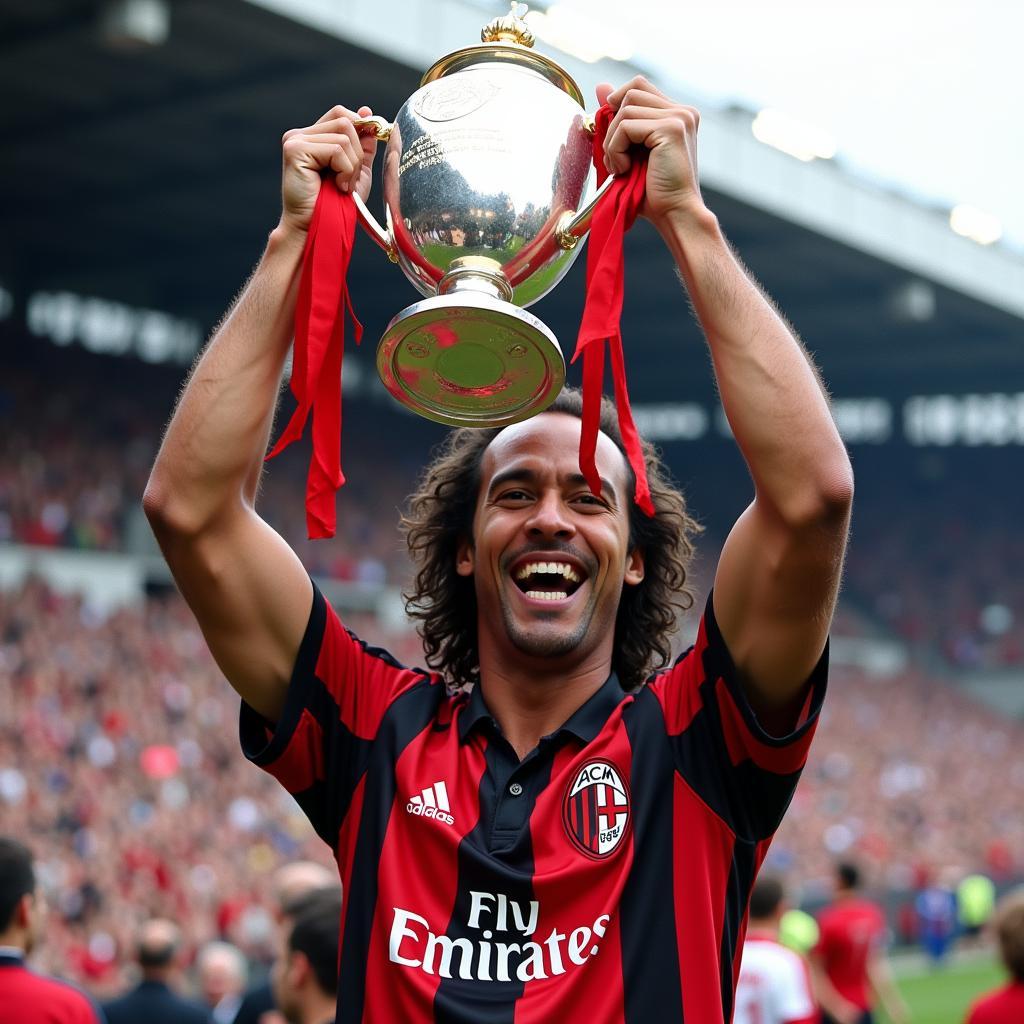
[[633, 125], [336, 112], [615, 98], [321, 155], [341, 132], [628, 134]]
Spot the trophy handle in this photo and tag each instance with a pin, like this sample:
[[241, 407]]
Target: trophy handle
[[573, 226], [382, 236]]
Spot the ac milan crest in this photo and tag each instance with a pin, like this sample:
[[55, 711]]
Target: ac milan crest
[[595, 810]]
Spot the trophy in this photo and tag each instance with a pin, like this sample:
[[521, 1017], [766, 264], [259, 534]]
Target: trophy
[[487, 181]]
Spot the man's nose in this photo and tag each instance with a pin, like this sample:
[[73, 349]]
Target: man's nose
[[549, 517]]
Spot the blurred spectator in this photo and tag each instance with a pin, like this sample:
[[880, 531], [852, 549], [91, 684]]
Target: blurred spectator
[[798, 930], [222, 974], [850, 968], [1006, 1006], [153, 1001], [774, 985], [292, 884], [305, 976], [935, 907], [27, 997], [975, 900]]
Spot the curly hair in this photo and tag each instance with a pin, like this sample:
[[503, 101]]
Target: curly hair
[[440, 515]]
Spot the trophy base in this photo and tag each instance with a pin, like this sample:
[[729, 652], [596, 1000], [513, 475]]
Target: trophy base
[[470, 360]]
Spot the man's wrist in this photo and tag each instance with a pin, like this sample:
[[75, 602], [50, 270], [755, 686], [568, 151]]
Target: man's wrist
[[287, 236], [683, 223]]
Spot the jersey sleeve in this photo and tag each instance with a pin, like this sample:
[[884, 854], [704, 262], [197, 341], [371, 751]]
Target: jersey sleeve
[[744, 774], [338, 696], [794, 1003]]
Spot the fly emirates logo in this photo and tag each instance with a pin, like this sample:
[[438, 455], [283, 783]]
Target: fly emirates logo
[[483, 957]]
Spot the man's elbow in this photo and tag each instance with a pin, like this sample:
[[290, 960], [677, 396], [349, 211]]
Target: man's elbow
[[168, 515], [823, 500]]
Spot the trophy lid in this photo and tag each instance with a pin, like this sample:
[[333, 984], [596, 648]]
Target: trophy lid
[[506, 39]]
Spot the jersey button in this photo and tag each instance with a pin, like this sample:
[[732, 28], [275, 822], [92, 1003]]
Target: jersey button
[[515, 789]]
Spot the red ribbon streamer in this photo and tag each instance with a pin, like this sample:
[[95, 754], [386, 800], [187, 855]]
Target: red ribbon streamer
[[319, 348], [602, 313]]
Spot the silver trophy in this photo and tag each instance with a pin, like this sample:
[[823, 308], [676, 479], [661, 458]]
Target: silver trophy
[[487, 191]]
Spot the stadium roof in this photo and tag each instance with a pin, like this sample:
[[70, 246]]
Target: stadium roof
[[149, 175]]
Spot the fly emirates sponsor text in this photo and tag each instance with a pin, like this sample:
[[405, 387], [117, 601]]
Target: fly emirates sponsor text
[[485, 958]]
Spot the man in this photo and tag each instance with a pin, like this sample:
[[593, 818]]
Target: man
[[555, 839], [935, 910], [27, 997], [222, 974], [153, 1000], [1006, 1005], [292, 883], [774, 985], [850, 969], [305, 974]]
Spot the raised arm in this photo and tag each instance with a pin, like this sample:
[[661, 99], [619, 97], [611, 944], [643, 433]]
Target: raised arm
[[245, 586], [778, 576]]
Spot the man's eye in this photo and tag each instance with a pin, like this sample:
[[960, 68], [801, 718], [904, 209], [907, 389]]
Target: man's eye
[[514, 495], [589, 499]]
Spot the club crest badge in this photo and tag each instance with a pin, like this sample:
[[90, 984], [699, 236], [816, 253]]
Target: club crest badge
[[596, 809]]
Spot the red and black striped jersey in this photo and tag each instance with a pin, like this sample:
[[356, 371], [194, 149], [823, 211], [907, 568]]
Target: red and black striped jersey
[[603, 878]]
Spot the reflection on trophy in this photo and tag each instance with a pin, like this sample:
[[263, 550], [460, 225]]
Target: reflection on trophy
[[485, 173]]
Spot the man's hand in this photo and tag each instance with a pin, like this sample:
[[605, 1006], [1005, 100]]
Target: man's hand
[[647, 117], [332, 145]]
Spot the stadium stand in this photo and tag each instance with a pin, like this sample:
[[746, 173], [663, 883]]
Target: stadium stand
[[119, 762]]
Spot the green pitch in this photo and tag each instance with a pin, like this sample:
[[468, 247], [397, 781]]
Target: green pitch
[[942, 997]]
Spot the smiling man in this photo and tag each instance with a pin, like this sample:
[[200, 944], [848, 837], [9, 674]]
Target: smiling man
[[550, 823]]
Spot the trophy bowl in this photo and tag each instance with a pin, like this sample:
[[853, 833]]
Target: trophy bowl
[[485, 175]]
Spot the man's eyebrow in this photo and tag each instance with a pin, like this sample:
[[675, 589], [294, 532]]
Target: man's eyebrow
[[528, 476], [515, 473]]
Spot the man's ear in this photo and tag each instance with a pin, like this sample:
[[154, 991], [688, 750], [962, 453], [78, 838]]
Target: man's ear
[[23, 911], [465, 557], [299, 969], [634, 567]]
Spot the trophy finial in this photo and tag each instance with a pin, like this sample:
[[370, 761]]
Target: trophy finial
[[509, 28]]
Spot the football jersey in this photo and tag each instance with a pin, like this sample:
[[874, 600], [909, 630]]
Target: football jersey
[[604, 877], [774, 986], [851, 931], [1005, 1006]]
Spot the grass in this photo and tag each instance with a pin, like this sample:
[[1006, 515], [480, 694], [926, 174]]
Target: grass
[[942, 997]]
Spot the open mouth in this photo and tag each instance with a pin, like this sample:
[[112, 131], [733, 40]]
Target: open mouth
[[548, 580]]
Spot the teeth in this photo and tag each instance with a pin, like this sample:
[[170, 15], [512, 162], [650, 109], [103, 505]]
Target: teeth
[[552, 568], [547, 595]]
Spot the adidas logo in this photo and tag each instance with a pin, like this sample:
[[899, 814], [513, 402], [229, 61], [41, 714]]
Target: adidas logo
[[432, 803]]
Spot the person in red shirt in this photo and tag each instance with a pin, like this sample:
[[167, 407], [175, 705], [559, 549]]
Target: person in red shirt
[[849, 965], [27, 997], [1006, 1005]]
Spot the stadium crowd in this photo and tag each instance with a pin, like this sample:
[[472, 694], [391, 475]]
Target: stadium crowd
[[118, 734], [73, 466], [118, 743]]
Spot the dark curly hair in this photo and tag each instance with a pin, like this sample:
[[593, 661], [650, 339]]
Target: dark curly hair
[[440, 515]]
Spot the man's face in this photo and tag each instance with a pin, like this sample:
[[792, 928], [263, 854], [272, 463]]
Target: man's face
[[37, 912], [281, 980], [548, 558]]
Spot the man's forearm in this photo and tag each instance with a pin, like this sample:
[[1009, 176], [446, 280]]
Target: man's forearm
[[770, 392], [212, 452]]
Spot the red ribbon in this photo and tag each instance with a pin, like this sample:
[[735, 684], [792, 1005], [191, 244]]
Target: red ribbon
[[602, 313], [319, 347]]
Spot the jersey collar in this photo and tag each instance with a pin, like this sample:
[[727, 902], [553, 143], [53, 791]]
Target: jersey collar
[[585, 723]]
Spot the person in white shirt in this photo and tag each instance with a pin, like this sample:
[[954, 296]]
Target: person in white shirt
[[775, 984], [222, 976]]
